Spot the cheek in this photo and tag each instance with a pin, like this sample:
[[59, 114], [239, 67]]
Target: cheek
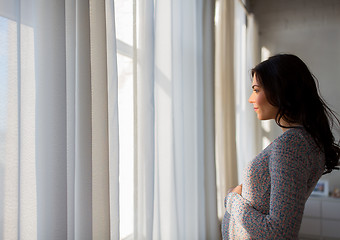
[[261, 99]]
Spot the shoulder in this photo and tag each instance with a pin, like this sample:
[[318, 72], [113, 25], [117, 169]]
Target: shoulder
[[294, 140], [295, 150]]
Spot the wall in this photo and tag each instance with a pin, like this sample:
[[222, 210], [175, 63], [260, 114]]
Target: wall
[[311, 30]]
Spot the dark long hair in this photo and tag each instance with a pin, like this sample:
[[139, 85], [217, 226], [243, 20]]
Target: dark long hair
[[290, 86]]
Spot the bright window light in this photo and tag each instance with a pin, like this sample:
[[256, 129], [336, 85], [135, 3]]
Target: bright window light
[[265, 54], [124, 33]]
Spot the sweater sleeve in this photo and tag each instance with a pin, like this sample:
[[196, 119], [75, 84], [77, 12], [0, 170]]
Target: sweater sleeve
[[288, 178]]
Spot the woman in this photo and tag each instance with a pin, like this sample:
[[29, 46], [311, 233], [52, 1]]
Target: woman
[[277, 183]]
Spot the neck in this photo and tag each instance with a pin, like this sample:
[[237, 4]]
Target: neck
[[287, 125], [290, 125]]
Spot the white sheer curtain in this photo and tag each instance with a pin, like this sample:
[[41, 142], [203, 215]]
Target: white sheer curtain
[[237, 51], [225, 101], [253, 58], [176, 168], [59, 130], [245, 59], [247, 55]]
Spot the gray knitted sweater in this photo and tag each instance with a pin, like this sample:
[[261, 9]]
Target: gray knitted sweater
[[277, 184]]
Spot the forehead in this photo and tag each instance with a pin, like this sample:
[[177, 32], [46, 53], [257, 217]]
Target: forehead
[[255, 82]]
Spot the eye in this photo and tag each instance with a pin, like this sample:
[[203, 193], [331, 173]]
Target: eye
[[256, 90]]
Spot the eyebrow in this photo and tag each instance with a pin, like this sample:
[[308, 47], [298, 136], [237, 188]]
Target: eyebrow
[[254, 86]]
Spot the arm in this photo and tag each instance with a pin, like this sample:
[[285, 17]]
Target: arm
[[287, 169]]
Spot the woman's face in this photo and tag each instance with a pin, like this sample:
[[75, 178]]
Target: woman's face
[[262, 107]]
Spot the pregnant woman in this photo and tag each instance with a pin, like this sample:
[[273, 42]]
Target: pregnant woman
[[277, 183]]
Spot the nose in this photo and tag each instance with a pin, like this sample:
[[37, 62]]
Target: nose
[[251, 98]]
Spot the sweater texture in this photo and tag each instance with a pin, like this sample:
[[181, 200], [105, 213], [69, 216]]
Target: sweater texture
[[277, 184]]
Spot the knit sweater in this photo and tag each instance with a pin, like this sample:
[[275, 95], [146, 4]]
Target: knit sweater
[[277, 184]]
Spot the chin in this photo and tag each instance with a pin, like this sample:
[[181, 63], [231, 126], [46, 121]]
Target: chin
[[262, 118]]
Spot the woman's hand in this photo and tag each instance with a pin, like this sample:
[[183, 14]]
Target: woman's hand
[[237, 189]]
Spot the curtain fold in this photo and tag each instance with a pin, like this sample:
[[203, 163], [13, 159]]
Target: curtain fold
[[253, 58], [113, 125], [210, 166], [225, 134], [48, 66], [100, 121], [70, 28], [144, 194], [246, 57], [83, 125]]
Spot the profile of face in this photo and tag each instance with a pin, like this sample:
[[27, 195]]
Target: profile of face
[[262, 107]]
